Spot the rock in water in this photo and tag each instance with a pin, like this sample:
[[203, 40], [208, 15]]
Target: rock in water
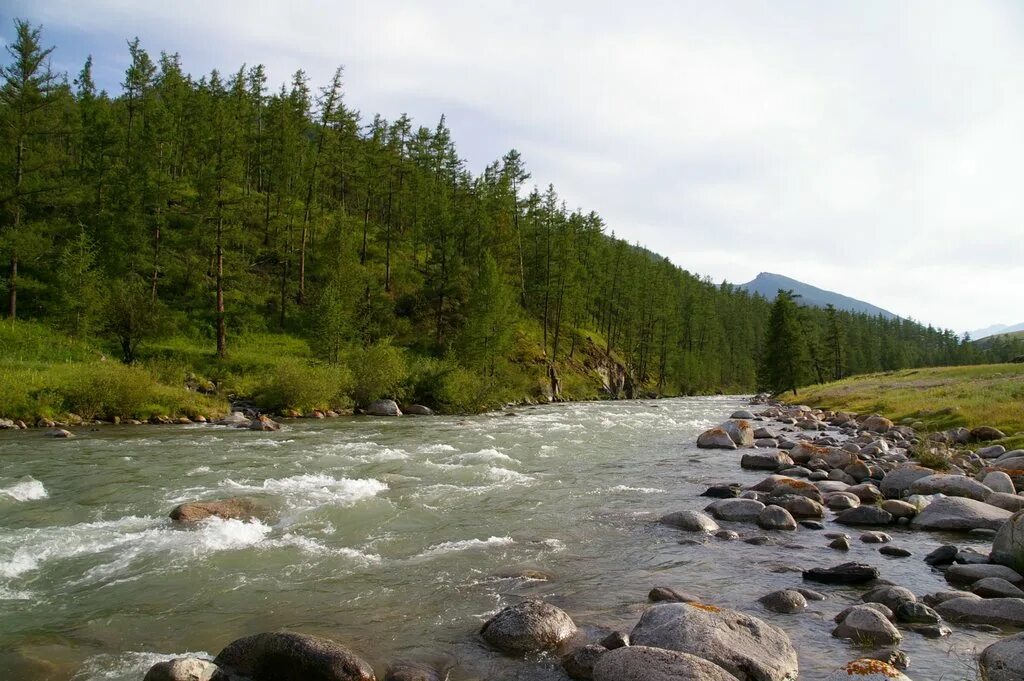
[[692, 521], [412, 671], [181, 669], [745, 646], [997, 611], [289, 656], [1008, 546], [867, 626], [1003, 660], [775, 518], [642, 663], [383, 408], [530, 626], [737, 510], [418, 410], [579, 664], [867, 669], [716, 438], [786, 601], [237, 508], [741, 432], [959, 513], [898, 481], [847, 573], [864, 515], [951, 486], [665, 594]]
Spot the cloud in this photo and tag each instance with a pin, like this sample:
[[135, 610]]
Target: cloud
[[871, 148]]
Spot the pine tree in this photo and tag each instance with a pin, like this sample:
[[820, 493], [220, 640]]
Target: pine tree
[[784, 358]]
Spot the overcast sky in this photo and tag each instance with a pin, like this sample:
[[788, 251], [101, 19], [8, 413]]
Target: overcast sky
[[871, 148]]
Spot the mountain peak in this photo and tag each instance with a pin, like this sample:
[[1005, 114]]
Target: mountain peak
[[768, 284]]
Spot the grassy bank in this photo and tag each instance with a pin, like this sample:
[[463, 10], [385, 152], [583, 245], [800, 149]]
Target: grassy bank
[[47, 374], [938, 398]]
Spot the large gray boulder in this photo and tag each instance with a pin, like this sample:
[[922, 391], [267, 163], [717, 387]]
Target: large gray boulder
[[529, 626], [766, 461], [383, 408], [951, 486], [1003, 660], [181, 669], [745, 646], [785, 601], [692, 521], [998, 481], [775, 518], [864, 515], [1008, 545], [643, 663], [866, 625], [867, 669], [289, 656], [1008, 502], [968, 574], [958, 513], [897, 481], [997, 611], [741, 432], [737, 510], [715, 438]]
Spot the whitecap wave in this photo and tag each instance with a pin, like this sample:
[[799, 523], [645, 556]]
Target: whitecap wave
[[488, 455], [26, 489], [641, 490], [130, 665], [499, 474], [436, 449], [310, 490], [464, 545]]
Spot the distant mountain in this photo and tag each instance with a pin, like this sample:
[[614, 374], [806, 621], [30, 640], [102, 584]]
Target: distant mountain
[[768, 285], [995, 330]]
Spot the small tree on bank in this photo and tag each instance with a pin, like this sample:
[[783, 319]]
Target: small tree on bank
[[784, 358]]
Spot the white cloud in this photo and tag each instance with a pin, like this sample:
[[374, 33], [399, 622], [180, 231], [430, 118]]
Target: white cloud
[[872, 148]]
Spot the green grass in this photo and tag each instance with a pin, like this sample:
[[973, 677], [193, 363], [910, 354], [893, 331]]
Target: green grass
[[938, 398]]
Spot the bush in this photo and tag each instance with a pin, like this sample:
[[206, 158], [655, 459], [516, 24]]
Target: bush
[[378, 371], [301, 386]]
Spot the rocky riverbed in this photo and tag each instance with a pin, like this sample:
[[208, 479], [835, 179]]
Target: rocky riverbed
[[806, 543]]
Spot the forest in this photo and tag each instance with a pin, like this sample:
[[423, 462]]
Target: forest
[[274, 244]]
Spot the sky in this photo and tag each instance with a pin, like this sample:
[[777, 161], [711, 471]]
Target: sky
[[873, 148]]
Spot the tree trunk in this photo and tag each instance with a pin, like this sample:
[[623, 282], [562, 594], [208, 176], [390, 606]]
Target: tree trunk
[[221, 334], [12, 288]]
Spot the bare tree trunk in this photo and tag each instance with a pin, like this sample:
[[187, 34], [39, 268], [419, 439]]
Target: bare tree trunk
[[221, 333]]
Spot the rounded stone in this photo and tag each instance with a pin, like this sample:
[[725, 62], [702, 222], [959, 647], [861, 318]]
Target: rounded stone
[[529, 626]]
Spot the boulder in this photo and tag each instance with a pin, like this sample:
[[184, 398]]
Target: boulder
[[996, 587], [800, 488], [842, 501], [958, 513], [785, 601], [996, 611], [895, 552], [290, 656], [991, 452], [985, 433], [874, 537], [265, 423], [418, 410], [691, 521], [614, 640], [742, 414], [998, 481], [775, 518], [897, 481], [741, 432], [864, 515], [899, 509], [383, 408], [951, 486], [1008, 545], [847, 573], [744, 646], [1007, 502], [867, 626], [877, 424], [413, 671], [722, 491], [236, 418], [867, 669], [944, 555], [59, 433], [1003, 660], [800, 507], [968, 574], [529, 626], [715, 438], [665, 594], [579, 664], [182, 669], [739, 510], [889, 595], [913, 612], [867, 493], [883, 609], [237, 508], [766, 461], [643, 663]]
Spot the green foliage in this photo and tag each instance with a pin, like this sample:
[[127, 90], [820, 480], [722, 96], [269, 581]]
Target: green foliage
[[378, 371], [304, 387], [784, 362]]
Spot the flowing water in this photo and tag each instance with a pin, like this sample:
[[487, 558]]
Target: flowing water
[[389, 534]]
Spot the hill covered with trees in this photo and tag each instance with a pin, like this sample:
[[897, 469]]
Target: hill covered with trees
[[275, 244]]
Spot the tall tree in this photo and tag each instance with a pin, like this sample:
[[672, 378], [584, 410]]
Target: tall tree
[[784, 358]]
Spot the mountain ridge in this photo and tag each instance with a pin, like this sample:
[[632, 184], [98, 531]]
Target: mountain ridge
[[768, 284]]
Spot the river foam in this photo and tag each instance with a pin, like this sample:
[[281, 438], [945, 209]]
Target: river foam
[[26, 489]]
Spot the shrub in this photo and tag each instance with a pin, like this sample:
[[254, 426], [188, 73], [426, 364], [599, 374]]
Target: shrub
[[378, 371], [301, 386]]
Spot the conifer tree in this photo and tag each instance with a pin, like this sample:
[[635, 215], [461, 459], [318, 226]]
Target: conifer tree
[[784, 358]]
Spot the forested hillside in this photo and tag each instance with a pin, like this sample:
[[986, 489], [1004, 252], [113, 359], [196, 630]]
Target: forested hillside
[[185, 222]]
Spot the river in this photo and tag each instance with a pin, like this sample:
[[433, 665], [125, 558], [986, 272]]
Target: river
[[389, 535]]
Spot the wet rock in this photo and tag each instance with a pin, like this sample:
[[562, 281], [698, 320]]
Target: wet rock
[[889, 595], [998, 481], [413, 671], [785, 601], [812, 524], [418, 410], [715, 438], [691, 521], [788, 487], [934, 599], [935, 630], [879, 607], [867, 492], [237, 508], [996, 587], [59, 433], [997, 611], [842, 501], [742, 414], [970, 556], [875, 538], [864, 515], [579, 664], [665, 594], [897, 481], [768, 461], [523, 572], [951, 486], [737, 510], [895, 552], [1003, 660], [891, 656], [775, 518], [741, 432], [264, 423], [289, 656], [943, 555], [1008, 545], [383, 408], [766, 443], [840, 544], [958, 513], [758, 541], [899, 509], [867, 669], [614, 640], [529, 626], [913, 612], [236, 419], [800, 507], [723, 491], [727, 535], [182, 669], [643, 663], [968, 574], [867, 626], [847, 573], [745, 646]]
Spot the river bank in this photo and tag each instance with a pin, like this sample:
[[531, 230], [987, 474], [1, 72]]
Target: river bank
[[381, 523]]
